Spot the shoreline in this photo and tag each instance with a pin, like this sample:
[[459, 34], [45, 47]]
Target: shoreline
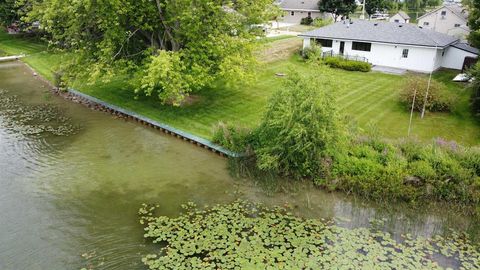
[[100, 105]]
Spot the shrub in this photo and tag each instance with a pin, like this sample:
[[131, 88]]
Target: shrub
[[438, 100], [319, 22], [300, 126], [306, 21], [313, 52], [232, 137], [59, 81], [336, 62]]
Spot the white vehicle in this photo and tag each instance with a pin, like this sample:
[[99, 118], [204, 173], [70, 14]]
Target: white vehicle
[[379, 16]]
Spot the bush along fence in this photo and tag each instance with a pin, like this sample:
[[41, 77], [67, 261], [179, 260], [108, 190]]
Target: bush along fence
[[100, 105]]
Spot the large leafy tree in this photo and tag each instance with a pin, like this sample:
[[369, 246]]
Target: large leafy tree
[[474, 22], [475, 101], [173, 46], [372, 6], [8, 12], [337, 7], [11, 11]]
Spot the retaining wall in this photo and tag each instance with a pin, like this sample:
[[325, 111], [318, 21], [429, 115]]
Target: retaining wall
[[98, 104]]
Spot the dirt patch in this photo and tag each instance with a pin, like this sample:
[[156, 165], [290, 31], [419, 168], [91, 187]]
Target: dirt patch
[[279, 50], [190, 100]]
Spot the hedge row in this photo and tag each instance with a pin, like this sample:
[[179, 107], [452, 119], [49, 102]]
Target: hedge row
[[336, 62]]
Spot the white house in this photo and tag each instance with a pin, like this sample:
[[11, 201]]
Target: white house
[[403, 46], [400, 17], [449, 19], [295, 10]]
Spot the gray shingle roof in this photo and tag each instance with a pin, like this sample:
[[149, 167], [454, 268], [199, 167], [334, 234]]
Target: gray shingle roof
[[467, 48], [298, 4], [403, 15], [382, 32]]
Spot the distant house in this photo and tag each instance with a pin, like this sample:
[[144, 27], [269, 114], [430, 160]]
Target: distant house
[[403, 46], [295, 10], [400, 17], [449, 19]]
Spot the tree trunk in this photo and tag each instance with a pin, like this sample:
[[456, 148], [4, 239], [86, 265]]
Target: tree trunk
[[168, 30]]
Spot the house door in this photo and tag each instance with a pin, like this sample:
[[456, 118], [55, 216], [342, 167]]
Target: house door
[[342, 47]]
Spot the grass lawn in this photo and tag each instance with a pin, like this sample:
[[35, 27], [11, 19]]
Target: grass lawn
[[368, 98]]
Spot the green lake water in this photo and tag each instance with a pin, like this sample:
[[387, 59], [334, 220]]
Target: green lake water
[[68, 202]]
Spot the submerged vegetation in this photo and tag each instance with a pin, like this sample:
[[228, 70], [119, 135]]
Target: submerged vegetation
[[244, 235], [34, 119]]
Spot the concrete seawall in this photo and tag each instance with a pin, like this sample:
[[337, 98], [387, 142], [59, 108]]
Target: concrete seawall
[[98, 104], [11, 58]]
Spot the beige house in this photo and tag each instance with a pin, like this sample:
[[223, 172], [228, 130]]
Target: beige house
[[400, 17], [449, 19], [295, 10]]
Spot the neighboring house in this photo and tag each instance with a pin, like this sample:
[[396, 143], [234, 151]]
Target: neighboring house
[[403, 46], [448, 19], [295, 10], [400, 17]]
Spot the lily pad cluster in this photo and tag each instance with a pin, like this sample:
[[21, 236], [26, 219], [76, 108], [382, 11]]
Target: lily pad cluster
[[34, 119], [244, 235]]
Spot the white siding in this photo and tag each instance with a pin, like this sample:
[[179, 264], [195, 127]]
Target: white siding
[[400, 19], [454, 58], [419, 59]]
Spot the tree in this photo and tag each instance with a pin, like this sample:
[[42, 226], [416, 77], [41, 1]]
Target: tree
[[192, 43], [8, 13], [372, 6], [337, 7], [11, 11], [475, 100], [474, 23], [300, 127]]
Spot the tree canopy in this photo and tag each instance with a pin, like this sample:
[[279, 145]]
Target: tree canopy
[[372, 6], [474, 23], [173, 47], [337, 7]]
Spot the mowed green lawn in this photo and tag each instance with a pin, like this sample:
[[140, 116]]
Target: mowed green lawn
[[366, 97]]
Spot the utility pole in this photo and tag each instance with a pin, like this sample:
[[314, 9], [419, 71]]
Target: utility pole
[[429, 81]]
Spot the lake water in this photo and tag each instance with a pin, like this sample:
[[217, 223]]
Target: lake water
[[68, 202]]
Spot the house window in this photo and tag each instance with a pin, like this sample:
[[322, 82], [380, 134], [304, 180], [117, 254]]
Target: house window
[[309, 14], [361, 46], [457, 25], [397, 21], [426, 23], [444, 13], [405, 53], [293, 13], [327, 43]]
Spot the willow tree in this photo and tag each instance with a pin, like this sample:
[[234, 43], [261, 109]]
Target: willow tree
[[173, 47]]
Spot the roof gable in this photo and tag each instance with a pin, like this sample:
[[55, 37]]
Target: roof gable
[[383, 32], [455, 9], [403, 15]]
